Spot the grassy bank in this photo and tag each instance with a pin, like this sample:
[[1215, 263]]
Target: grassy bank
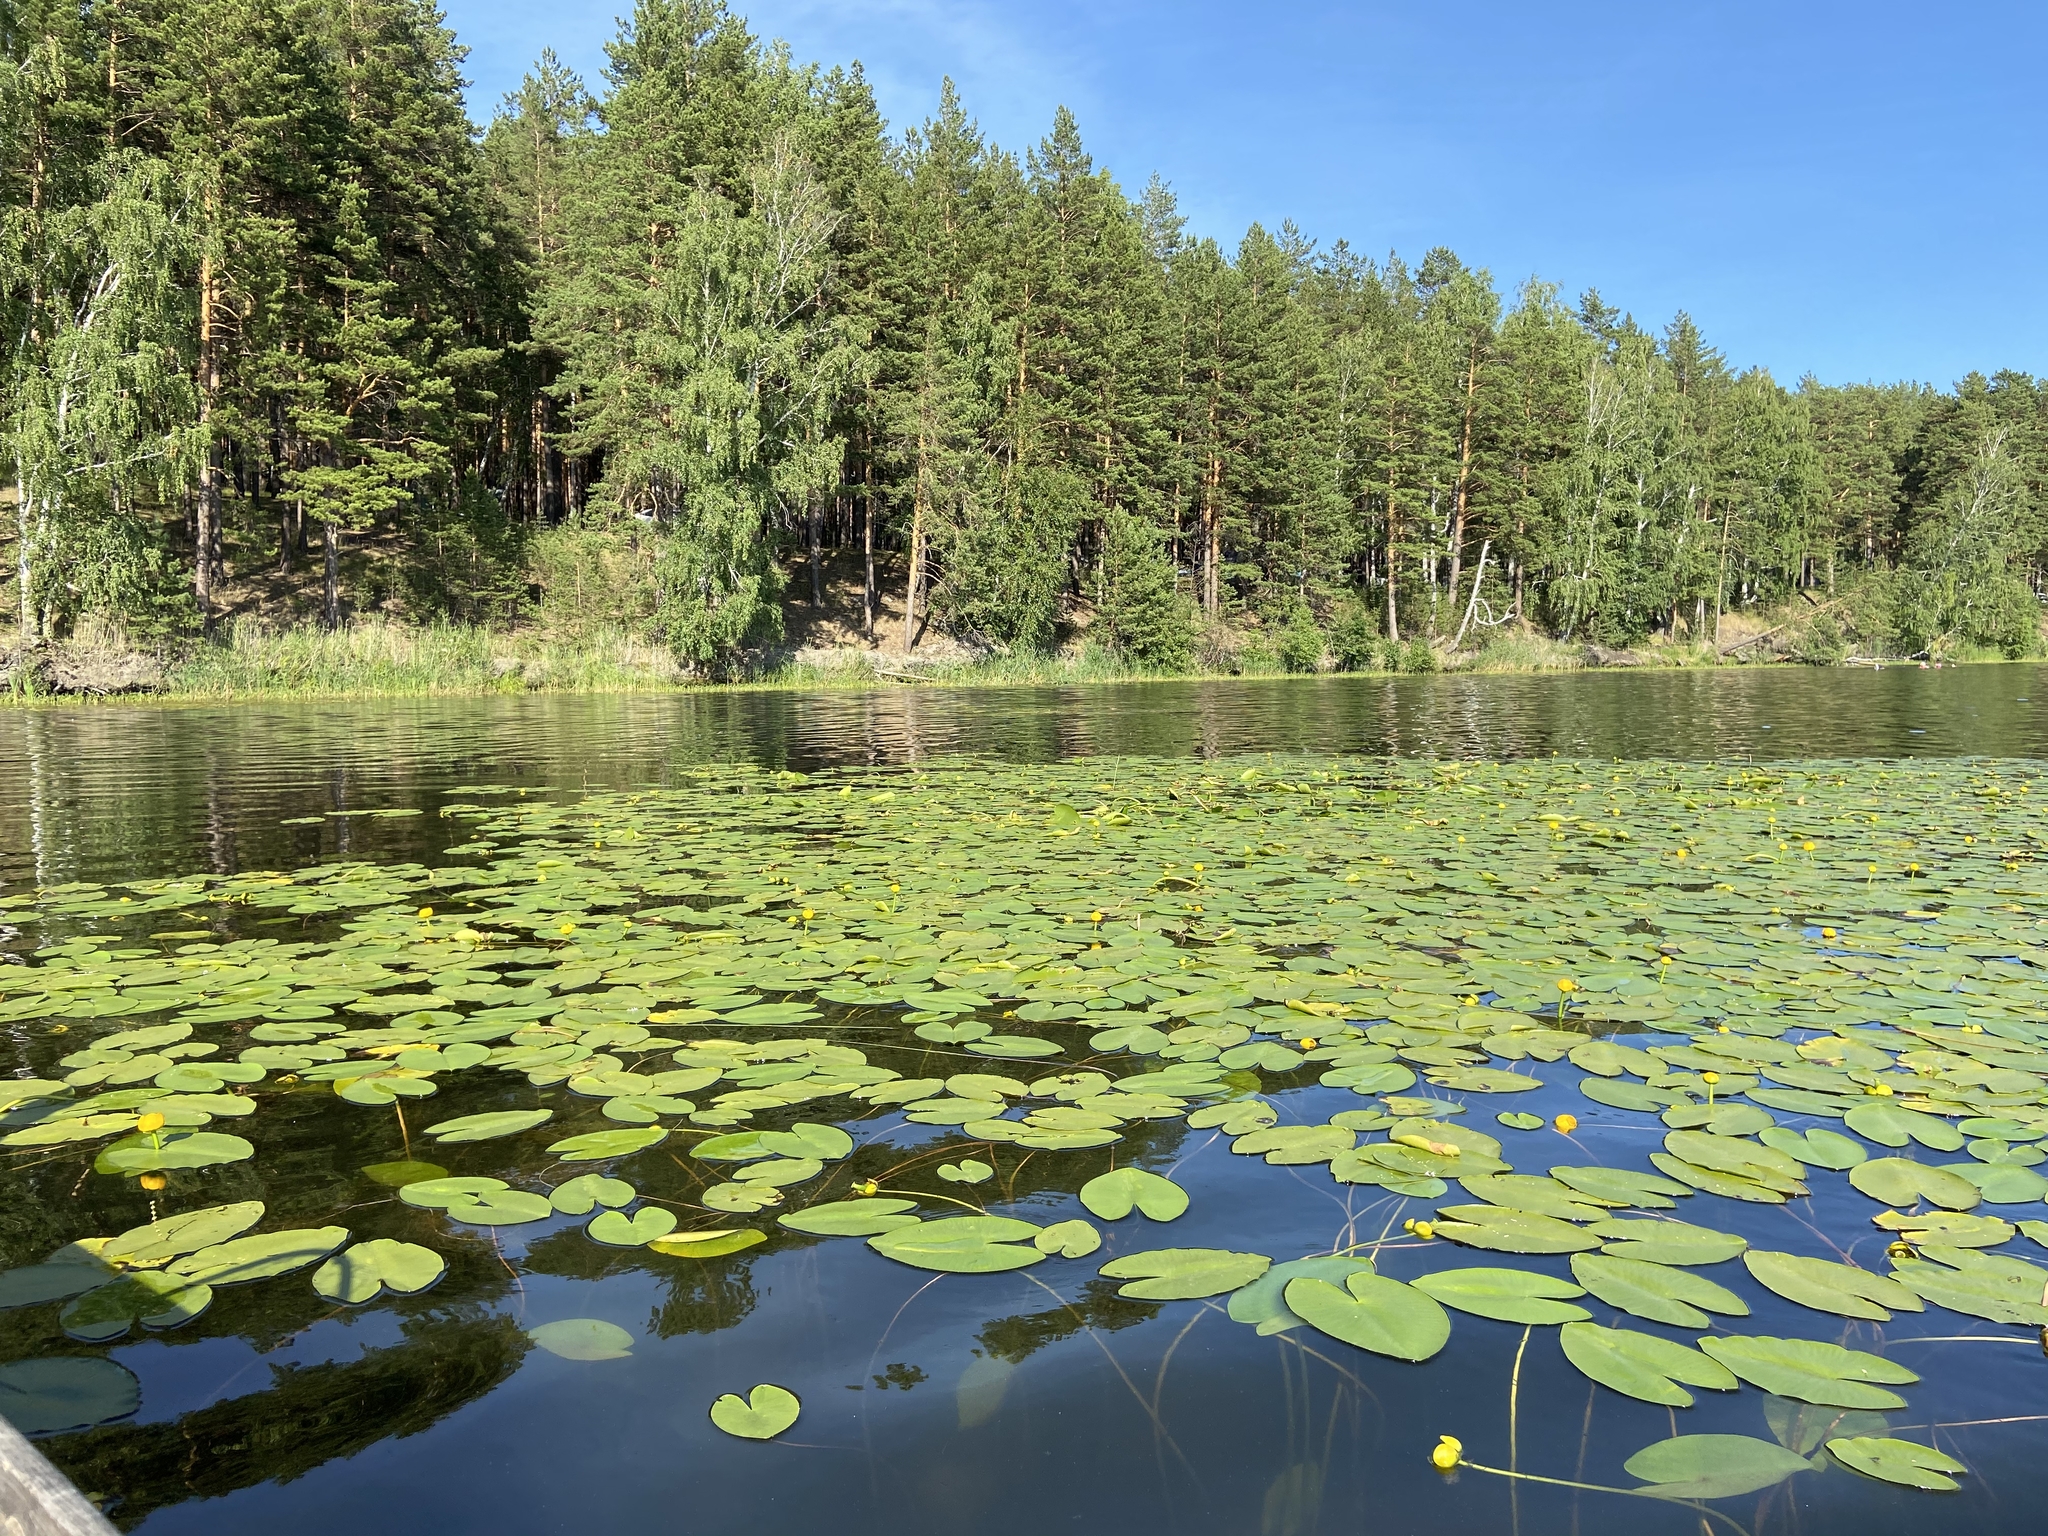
[[380, 658]]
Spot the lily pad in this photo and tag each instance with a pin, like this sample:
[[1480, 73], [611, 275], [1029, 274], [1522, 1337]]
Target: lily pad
[[583, 1338], [366, 1270], [1830, 1287], [1898, 1461], [1900, 1181], [1521, 1120], [149, 1297], [1622, 1186], [74, 1268], [826, 1143], [1073, 1239], [962, 1245], [1184, 1274], [261, 1257], [1504, 1231], [1666, 1242], [1995, 1287], [969, 1171], [1263, 1303], [2002, 1183], [852, 1218], [615, 1229], [1113, 1196], [1892, 1125], [1712, 1466], [1641, 1365], [508, 1122], [712, 1244], [173, 1236], [65, 1392], [399, 1174], [1506, 1295], [1811, 1371], [1660, 1292], [1820, 1147], [762, 1415], [596, 1146], [584, 1193], [172, 1149], [1373, 1313]]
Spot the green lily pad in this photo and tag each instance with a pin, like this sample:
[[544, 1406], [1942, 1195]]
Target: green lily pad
[[261, 1257], [1263, 1302], [827, 1143], [962, 1245], [1184, 1274], [1830, 1287], [1506, 1295], [1898, 1461], [1666, 1242], [71, 1269], [398, 1175], [781, 1172], [596, 1146], [365, 1271], [1296, 1144], [1891, 1125], [172, 1149], [1622, 1186], [1113, 1196], [1991, 1286], [1811, 1371], [2002, 1183], [852, 1218], [970, 1171], [66, 1392], [508, 1122], [583, 1338], [1521, 1120], [1372, 1312], [1712, 1466], [762, 1415], [1819, 1146], [149, 1297], [1900, 1181], [1537, 1195], [1073, 1239], [584, 1193], [1953, 1228], [1013, 1047], [1660, 1292], [173, 1236], [615, 1229], [707, 1244], [497, 1208], [741, 1199], [440, 1193], [1506, 1231], [1641, 1365]]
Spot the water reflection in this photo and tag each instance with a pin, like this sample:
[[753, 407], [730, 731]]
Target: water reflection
[[122, 792]]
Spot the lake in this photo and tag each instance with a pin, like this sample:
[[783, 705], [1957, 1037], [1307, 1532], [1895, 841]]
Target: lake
[[1326, 958]]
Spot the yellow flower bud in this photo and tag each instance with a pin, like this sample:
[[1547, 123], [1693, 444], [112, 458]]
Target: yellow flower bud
[[149, 1123], [1710, 1077], [1566, 1124], [1308, 1042], [152, 1182], [1448, 1453], [1566, 984], [1881, 1090], [426, 912]]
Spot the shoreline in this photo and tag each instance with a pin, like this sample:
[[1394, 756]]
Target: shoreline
[[569, 672]]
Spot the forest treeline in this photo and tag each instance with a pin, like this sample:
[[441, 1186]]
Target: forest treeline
[[658, 346]]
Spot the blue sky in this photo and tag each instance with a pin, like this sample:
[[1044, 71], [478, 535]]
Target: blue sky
[[1854, 190]]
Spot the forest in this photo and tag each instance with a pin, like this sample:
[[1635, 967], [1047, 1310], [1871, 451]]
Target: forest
[[667, 350]]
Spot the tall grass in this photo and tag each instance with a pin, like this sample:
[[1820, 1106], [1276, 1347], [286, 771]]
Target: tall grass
[[377, 656]]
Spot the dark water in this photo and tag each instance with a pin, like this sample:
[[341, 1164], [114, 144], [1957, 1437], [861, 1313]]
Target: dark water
[[935, 1405], [116, 792]]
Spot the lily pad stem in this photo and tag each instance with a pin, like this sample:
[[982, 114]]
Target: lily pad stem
[[1633, 1493]]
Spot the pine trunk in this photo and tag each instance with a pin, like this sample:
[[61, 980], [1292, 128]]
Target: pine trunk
[[332, 537]]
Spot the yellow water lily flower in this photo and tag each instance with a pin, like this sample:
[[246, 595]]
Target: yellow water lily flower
[[152, 1182], [1448, 1453], [1566, 1124], [150, 1124]]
